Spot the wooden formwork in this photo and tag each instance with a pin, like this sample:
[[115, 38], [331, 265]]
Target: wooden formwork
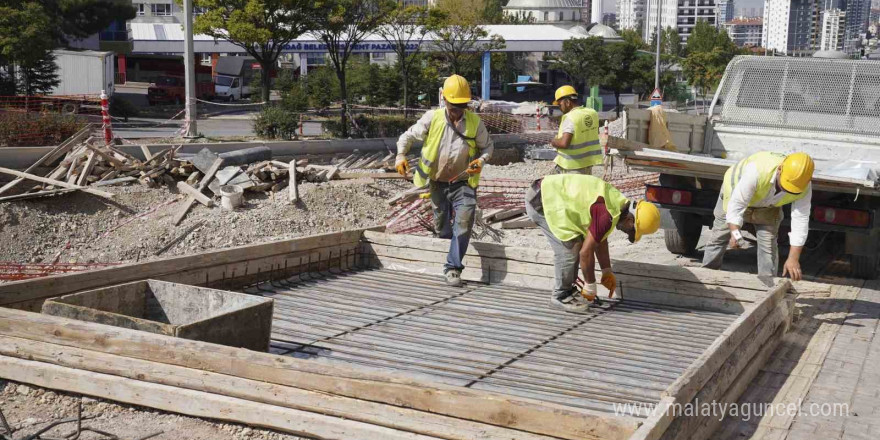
[[345, 396]]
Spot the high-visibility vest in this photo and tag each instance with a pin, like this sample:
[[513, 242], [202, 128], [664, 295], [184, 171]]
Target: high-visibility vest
[[584, 150], [767, 163], [567, 199], [427, 167]]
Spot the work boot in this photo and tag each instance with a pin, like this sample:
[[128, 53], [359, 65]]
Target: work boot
[[453, 278], [573, 303]]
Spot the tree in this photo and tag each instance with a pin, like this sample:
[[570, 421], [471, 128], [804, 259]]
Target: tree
[[583, 60], [708, 52], [38, 76], [26, 42], [342, 25], [619, 73], [460, 39], [261, 27], [405, 30], [634, 37]]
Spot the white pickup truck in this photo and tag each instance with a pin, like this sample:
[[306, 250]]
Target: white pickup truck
[[827, 108]]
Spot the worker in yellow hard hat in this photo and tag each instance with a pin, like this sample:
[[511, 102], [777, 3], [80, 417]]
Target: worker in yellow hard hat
[[754, 191], [577, 214], [456, 146], [577, 142]]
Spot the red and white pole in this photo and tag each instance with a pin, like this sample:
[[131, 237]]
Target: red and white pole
[[538, 117], [105, 116]]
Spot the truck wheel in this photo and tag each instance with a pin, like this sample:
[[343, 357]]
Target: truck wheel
[[682, 239], [864, 266]]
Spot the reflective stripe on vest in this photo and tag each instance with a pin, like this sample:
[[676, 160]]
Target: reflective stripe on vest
[[584, 150], [767, 164], [567, 199], [427, 166]]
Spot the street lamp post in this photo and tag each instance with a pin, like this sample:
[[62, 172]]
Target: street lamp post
[[657, 66], [189, 71]]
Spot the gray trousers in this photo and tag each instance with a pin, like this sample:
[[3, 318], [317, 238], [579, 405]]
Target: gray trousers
[[586, 170], [566, 254], [766, 222]]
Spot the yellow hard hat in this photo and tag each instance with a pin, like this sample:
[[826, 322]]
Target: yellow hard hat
[[647, 219], [564, 91], [797, 171], [456, 90]]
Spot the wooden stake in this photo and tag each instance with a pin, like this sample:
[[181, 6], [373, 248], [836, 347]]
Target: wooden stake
[[196, 194], [293, 192], [56, 183], [202, 185]]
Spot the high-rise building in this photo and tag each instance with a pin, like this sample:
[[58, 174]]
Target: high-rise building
[[789, 26], [833, 29], [857, 12], [679, 14], [874, 17], [631, 14], [597, 11], [545, 11], [745, 31], [725, 12]]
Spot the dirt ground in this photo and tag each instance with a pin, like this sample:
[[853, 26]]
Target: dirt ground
[[83, 228]]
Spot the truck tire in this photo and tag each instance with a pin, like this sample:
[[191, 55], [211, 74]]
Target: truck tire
[[682, 240], [864, 266]]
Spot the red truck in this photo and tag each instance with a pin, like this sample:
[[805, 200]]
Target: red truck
[[172, 90]]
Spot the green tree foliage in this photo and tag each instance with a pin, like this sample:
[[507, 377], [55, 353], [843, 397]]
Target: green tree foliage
[[341, 25], [38, 76], [708, 53], [461, 40], [583, 60], [619, 73], [322, 87], [261, 27], [408, 25], [634, 37]]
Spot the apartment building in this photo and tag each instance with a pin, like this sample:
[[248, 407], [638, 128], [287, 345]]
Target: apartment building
[[745, 31], [631, 14], [679, 14], [789, 27], [833, 29]]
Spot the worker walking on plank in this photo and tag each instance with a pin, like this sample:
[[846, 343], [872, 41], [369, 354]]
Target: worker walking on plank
[[577, 142], [754, 191], [456, 145], [577, 214]]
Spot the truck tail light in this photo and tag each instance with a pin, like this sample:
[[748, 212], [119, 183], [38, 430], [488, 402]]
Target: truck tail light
[[668, 196], [843, 217]]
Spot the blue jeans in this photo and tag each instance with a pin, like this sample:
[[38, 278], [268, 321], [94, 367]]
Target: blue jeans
[[460, 200]]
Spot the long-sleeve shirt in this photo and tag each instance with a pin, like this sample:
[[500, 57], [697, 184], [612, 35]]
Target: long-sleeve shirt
[[744, 191], [453, 157]]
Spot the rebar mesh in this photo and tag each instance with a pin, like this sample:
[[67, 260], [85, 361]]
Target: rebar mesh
[[802, 94]]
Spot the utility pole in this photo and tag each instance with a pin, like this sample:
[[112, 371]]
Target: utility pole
[[657, 66], [189, 59]]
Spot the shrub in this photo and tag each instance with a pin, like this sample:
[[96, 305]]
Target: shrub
[[275, 122], [373, 126], [37, 129]]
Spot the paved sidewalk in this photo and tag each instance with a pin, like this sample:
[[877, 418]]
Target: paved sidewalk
[[829, 361]]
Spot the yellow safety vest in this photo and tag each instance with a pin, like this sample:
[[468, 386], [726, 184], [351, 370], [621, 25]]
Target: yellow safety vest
[[427, 167], [567, 199], [584, 150], [767, 163]]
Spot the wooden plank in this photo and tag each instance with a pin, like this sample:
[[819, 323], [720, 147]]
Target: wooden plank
[[108, 157], [361, 383], [146, 151], [254, 391], [523, 223], [195, 194], [293, 188], [192, 403], [701, 370], [59, 150], [354, 175], [34, 195], [657, 422], [187, 204], [166, 269], [87, 169], [56, 183]]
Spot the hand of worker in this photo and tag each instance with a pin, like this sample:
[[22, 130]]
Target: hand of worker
[[609, 281], [793, 269], [589, 291], [402, 165], [475, 166], [733, 244]]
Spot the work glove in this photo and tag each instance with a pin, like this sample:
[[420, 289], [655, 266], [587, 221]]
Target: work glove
[[609, 281], [475, 166], [589, 291], [402, 165]]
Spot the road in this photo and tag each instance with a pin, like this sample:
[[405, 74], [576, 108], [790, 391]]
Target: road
[[220, 126]]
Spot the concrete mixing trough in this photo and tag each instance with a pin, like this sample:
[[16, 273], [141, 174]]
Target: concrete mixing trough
[[368, 342], [173, 309]]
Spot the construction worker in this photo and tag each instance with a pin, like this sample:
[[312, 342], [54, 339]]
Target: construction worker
[[577, 142], [754, 191], [456, 145], [577, 214]]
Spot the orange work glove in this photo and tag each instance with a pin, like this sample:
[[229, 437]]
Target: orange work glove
[[609, 281], [589, 291], [402, 166], [475, 166]]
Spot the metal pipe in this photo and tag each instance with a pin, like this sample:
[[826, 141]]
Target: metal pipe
[[657, 66]]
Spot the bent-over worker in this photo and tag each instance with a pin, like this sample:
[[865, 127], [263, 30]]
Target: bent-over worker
[[456, 145], [754, 191], [577, 214], [577, 142]]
